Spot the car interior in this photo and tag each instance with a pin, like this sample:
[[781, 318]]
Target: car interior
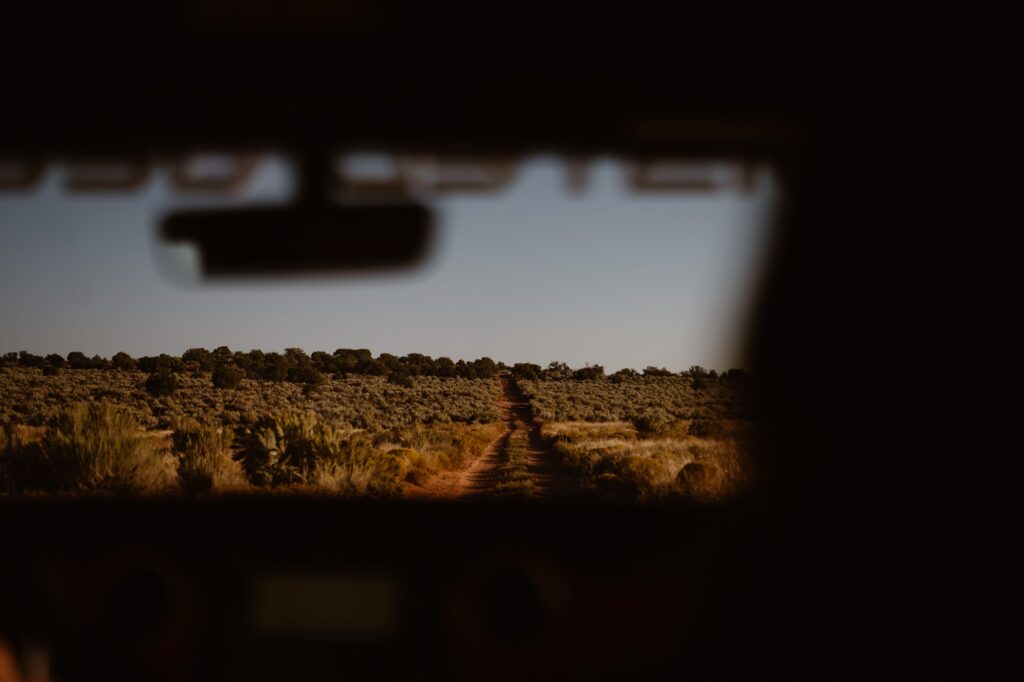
[[466, 178]]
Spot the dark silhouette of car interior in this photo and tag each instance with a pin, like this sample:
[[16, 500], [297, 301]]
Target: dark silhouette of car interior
[[823, 570]]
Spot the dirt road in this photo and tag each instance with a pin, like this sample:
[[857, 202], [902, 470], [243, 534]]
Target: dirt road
[[482, 476]]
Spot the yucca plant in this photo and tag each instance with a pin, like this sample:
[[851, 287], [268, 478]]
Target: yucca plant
[[275, 449], [296, 447]]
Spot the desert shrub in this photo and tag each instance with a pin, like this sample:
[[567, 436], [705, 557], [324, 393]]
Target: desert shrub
[[706, 428], [310, 390], [419, 466], [161, 383], [96, 447], [400, 378], [651, 423], [696, 479], [50, 371], [718, 469], [226, 376], [21, 462], [352, 467], [204, 458], [644, 477]]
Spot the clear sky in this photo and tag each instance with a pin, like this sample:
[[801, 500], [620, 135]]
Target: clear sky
[[530, 274]]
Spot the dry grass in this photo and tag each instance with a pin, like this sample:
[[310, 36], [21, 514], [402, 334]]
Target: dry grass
[[429, 449], [649, 438], [589, 430], [514, 476], [82, 432], [97, 448], [353, 436], [612, 462], [205, 462]]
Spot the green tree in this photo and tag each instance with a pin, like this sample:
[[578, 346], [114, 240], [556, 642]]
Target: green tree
[[444, 367], [526, 370], [485, 368], [200, 357], [78, 360], [275, 367], [226, 376], [26, 359], [305, 374], [122, 360], [590, 372], [161, 383]]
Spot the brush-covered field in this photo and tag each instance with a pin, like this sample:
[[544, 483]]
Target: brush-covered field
[[101, 431], [649, 438], [180, 429]]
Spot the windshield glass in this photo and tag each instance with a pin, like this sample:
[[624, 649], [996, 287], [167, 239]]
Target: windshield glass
[[574, 329]]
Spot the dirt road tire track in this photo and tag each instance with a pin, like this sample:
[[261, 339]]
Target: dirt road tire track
[[482, 476]]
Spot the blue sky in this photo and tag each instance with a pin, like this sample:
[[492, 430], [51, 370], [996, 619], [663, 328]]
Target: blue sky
[[531, 274]]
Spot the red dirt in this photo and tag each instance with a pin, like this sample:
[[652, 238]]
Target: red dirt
[[479, 479]]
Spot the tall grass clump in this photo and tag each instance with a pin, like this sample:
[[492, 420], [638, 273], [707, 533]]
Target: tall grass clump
[[205, 464], [441, 446], [351, 466], [20, 461], [96, 447]]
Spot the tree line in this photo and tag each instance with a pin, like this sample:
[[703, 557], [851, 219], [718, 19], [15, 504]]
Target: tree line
[[296, 366], [562, 371]]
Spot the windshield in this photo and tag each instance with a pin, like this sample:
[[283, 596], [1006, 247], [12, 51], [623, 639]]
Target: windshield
[[573, 329]]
